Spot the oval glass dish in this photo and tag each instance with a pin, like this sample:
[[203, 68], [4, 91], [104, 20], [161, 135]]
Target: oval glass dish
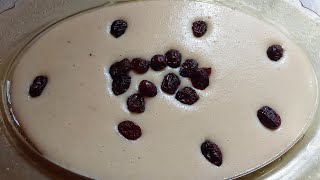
[[301, 25]]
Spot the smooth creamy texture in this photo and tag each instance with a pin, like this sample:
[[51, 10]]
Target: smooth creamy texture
[[74, 121]]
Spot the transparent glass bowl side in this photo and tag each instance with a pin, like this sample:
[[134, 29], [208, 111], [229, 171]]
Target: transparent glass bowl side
[[304, 30]]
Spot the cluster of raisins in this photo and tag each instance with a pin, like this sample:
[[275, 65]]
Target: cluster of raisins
[[199, 78], [121, 81], [119, 73], [189, 69]]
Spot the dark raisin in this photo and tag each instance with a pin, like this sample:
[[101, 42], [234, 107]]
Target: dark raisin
[[121, 84], [188, 67], [269, 118], [275, 52], [139, 65], [212, 153], [130, 130], [200, 79], [187, 96], [120, 68], [208, 70], [118, 28], [170, 83], [38, 85], [199, 28], [136, 103], [158, 62], [173, 58], [147, 88]]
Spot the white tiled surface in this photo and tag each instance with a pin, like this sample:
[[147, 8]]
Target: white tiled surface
[[312, 4], [6, 4]]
